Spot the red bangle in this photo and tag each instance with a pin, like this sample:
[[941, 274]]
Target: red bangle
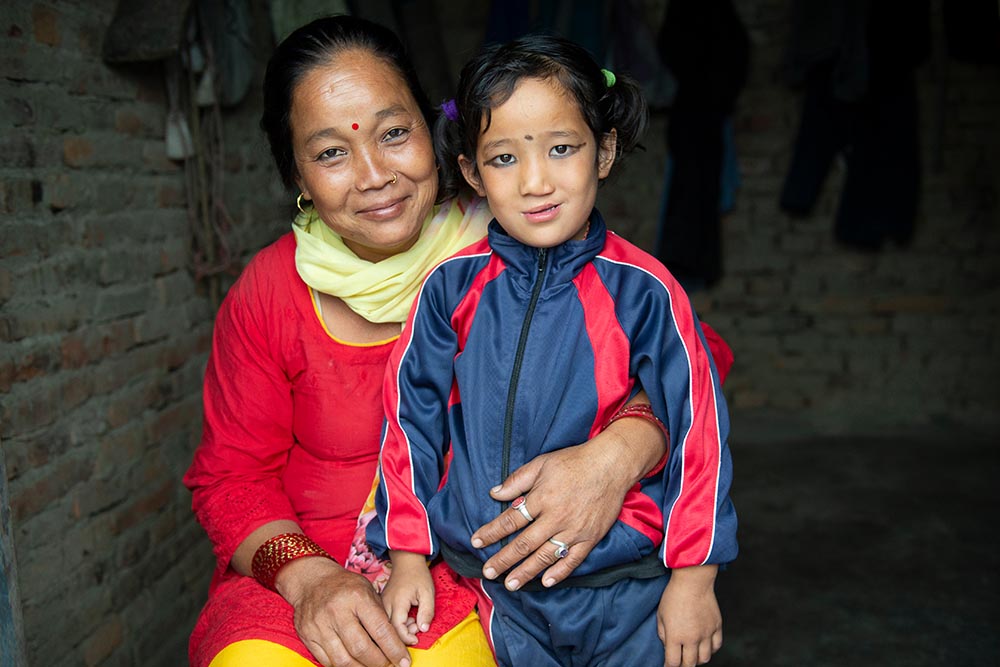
[[281, 550], [644, 411]]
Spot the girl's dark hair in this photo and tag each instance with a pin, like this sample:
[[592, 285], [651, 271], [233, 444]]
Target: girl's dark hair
[[313, 45], [489, 79]]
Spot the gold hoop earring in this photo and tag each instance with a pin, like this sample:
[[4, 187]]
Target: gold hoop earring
[[298, 202], [393, 181]]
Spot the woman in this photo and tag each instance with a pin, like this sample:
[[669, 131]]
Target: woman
[[292, 394]]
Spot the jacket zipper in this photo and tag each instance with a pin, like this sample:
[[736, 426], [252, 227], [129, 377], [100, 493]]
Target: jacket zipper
[[508, 422]]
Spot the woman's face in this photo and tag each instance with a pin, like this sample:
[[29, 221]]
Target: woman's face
[[363, 153]]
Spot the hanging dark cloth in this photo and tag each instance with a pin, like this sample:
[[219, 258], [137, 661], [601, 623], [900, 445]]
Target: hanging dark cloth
[[705, 46], [972, 30], [855, 62]]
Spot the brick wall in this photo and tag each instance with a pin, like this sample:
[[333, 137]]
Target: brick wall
[[104, 337]]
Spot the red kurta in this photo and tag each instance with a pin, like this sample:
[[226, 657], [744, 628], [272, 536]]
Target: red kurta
[[292, 423]]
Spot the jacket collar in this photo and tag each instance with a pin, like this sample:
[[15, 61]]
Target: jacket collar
[[564, 261]]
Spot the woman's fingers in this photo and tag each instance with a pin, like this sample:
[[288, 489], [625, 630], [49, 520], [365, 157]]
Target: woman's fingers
[[387, 642], [341, 620], [509, 521], [531, 553]]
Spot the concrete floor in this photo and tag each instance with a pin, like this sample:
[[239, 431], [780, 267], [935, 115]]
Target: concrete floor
[[864, 550]]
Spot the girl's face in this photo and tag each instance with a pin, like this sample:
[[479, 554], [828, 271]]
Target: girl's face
[[538, 164], [363, 153]]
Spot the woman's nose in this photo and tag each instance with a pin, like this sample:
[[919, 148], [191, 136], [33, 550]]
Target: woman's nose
[[371, 172]]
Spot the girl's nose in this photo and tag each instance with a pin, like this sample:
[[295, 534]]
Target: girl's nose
[[534, 177]]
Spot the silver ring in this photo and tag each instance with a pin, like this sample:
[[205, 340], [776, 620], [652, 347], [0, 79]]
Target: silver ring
[[521, 505], [561, 550]]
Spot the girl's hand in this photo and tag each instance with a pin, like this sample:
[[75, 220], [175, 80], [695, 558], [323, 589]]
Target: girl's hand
[[410, 585], [688, 619]]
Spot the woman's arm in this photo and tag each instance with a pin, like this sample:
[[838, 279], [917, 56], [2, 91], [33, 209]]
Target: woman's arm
[[338, 615], [239, 499], [574, 496], [580, 513]]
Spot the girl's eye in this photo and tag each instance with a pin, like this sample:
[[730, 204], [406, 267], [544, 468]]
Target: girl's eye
[[562, 150], [502, 160]]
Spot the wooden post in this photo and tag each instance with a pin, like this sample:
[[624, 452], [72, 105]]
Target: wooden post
[[11, 630]]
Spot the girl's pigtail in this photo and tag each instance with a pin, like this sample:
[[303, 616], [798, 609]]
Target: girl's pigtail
[[447, 147], [626, 110]]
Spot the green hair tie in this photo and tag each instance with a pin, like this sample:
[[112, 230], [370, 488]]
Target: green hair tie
[[609, 77]]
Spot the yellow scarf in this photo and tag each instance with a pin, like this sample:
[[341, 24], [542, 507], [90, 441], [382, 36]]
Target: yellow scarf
[[384, 291]]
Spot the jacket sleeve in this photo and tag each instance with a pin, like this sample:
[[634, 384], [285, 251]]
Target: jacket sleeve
[[672, 359], [247, 432], [417, 395]]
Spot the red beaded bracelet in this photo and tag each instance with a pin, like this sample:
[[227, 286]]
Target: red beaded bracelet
[[643, 411], [280, 550]]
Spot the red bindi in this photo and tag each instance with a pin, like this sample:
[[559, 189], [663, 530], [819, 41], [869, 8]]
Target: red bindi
[[354, 126]]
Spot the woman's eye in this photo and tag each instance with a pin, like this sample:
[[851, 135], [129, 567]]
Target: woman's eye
[[331, 153], [396, 133]]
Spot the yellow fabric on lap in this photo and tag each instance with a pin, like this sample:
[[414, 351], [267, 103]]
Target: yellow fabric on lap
[[465, 645], [258, 653]]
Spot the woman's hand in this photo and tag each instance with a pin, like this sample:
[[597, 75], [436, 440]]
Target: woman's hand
[[338, 615], [574, 496]]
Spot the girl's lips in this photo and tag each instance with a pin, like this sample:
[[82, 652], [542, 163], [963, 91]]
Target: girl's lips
[[542, 213]]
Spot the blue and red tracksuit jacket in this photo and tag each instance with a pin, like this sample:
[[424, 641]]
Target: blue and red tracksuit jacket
[[512, 351]]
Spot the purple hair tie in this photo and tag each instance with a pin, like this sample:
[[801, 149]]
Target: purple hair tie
[[450, 109]]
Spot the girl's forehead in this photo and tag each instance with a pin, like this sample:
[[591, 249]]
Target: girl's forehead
[[533, 100]]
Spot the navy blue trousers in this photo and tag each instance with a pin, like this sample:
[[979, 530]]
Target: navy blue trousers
[[578, 627]]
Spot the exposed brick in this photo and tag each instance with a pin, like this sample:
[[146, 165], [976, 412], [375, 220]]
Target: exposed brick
[[17, 111], [176, 418], [30, 496], [169, 195], [45, 25], [36, 451], [118, 302], [140, 121], [90, 38], [103, 642], [143, 508], [78, 151], [154, 157], [18, 151]]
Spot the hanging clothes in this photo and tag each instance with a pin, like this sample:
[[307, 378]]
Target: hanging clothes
[[705, 46], [855, 63]]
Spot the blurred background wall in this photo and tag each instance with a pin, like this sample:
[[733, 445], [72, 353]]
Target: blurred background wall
[[119, 237]]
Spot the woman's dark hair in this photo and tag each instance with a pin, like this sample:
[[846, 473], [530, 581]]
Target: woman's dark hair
[[313, 45], [489, 79]]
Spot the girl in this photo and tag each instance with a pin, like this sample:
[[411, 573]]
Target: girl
[[532, 340]]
